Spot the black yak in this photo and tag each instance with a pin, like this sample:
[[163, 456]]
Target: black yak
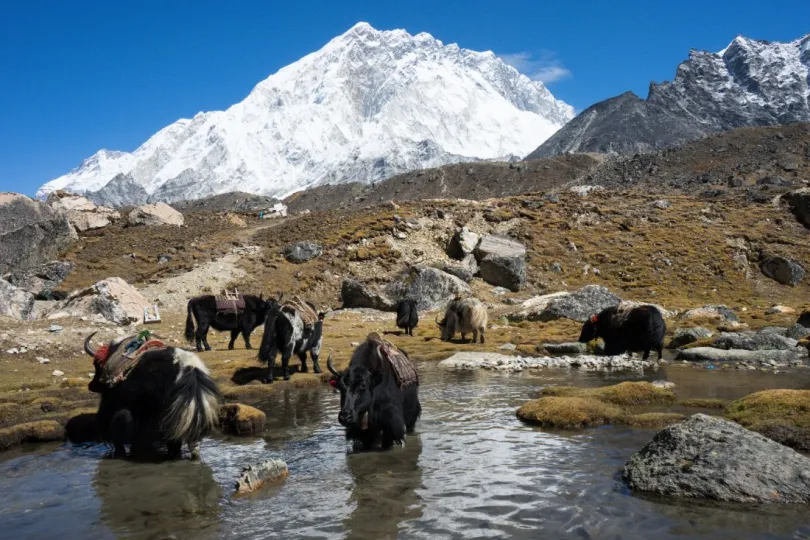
[[640, 328], [464, 316], [204, 310], [151, 394], [379, 394], [407, 316], [286, 331]]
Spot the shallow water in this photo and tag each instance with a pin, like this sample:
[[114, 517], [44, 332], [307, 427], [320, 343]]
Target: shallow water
[[471, 471]]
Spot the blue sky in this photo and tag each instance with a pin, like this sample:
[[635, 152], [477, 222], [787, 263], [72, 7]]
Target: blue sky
[[78, 76]]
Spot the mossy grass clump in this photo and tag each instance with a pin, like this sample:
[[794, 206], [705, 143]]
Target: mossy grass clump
[[239, 419], [626, 394], [781, 415], [650, 420], [704, 403], [41, 431], [568, 412]]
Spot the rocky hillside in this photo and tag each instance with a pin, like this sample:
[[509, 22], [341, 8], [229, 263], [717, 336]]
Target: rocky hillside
[[749, 83]]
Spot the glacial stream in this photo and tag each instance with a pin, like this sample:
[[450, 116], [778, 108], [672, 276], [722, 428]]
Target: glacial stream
[[472, 470]]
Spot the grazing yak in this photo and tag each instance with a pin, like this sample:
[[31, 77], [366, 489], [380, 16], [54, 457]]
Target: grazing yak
[[407, 316], [151, 394], [286, 330], [379, 394], [204, 310], [464, 316], [640, 328]]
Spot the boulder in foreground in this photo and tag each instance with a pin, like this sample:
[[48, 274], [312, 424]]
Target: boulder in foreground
[[710, 458], [112, 298], [429, 287], [15, 302], [156, 214]]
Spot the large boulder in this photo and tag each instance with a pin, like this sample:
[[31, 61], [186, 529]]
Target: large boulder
[[753, 341], [685, 336], [41, 280], [301, 252], [16, 303], [709, 458], [767, 358], [358, 295], [502, 262], [578, 305], [785, 271], [429, 287], [156, 214], [113, 298], [82, 214], [462, 243], [717, 312], [465, 269], [799, 202], [31, 232], [797, 332]]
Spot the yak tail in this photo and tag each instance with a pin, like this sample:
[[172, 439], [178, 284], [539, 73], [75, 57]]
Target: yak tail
[[189, 325], [193, 403]]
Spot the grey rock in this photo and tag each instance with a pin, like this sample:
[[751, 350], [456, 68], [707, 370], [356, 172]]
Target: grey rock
[[464, 270], [429, 287], [685, 336], [559, 349], [508, 363], [753, 341], [578, 305], [254, 477], [502, 262], [164, 259], [797, 331], [662, 204], [55, 328], [773, 181], [785, 271], [712, 354], [709, 458], [719, 312], [778, 330], [556, 268], [462, 243], [508, 347], [31, 233], [799, 202], [358, 295], [42, 279], [301, 252], [16, 303]]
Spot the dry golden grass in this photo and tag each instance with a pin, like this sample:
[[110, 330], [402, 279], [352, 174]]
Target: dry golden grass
[[568, 412], [626, 394]]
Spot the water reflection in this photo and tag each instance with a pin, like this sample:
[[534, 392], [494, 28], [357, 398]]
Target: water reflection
[[156, 500]]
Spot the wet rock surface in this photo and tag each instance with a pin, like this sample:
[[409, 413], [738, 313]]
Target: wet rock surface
[[753, 341], [706, 457], [500, 362], [772, 358], [254, 477]]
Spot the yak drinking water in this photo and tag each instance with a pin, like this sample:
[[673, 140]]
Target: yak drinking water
[[640, 328], [292, 328], [242, 318], [151, 394], [464, 316], [379, 394], [407, 316]]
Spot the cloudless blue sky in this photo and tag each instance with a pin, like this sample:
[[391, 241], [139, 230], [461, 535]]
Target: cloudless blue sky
[[77, 76]]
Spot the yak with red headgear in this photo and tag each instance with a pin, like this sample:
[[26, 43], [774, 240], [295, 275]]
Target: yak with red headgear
[[152, 394], [627, 329]]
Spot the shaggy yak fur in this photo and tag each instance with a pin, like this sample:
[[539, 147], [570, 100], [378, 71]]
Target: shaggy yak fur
[[464, 316], [633, 329], [204, 310], [168, 397], [285, 332], [373, 408], [407, 316]]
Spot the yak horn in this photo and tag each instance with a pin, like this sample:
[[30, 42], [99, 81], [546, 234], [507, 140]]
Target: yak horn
[[330, 366], [437, 321], [89, 350]]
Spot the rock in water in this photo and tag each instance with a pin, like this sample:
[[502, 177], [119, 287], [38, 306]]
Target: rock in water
[[31, 232], [785, 271], [502, 262], [239, 419], [16, 303], [685, 336], [429, 287], [254, 477], [302, 252], [156, 214], [709, 458], [357, 295], [712, 354]]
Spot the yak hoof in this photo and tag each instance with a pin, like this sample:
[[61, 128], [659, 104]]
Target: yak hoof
[[230, 347], [248, 346], [316, 368], [304, 369], [267, 380]]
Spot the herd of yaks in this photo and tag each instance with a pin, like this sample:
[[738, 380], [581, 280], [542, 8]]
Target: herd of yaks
[[156, 396]]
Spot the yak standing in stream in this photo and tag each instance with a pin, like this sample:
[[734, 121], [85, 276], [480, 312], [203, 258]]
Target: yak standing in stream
[[635, 329], [379, 394], [464, 316], [211, 311], [407, 316], [295, 327], [151, 394]]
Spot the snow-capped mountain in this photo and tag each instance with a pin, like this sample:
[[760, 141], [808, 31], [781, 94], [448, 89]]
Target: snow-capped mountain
[[368, 105], [749, 83]]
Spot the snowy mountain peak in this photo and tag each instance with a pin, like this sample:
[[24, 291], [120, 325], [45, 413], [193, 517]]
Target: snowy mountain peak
[[369, 104]]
